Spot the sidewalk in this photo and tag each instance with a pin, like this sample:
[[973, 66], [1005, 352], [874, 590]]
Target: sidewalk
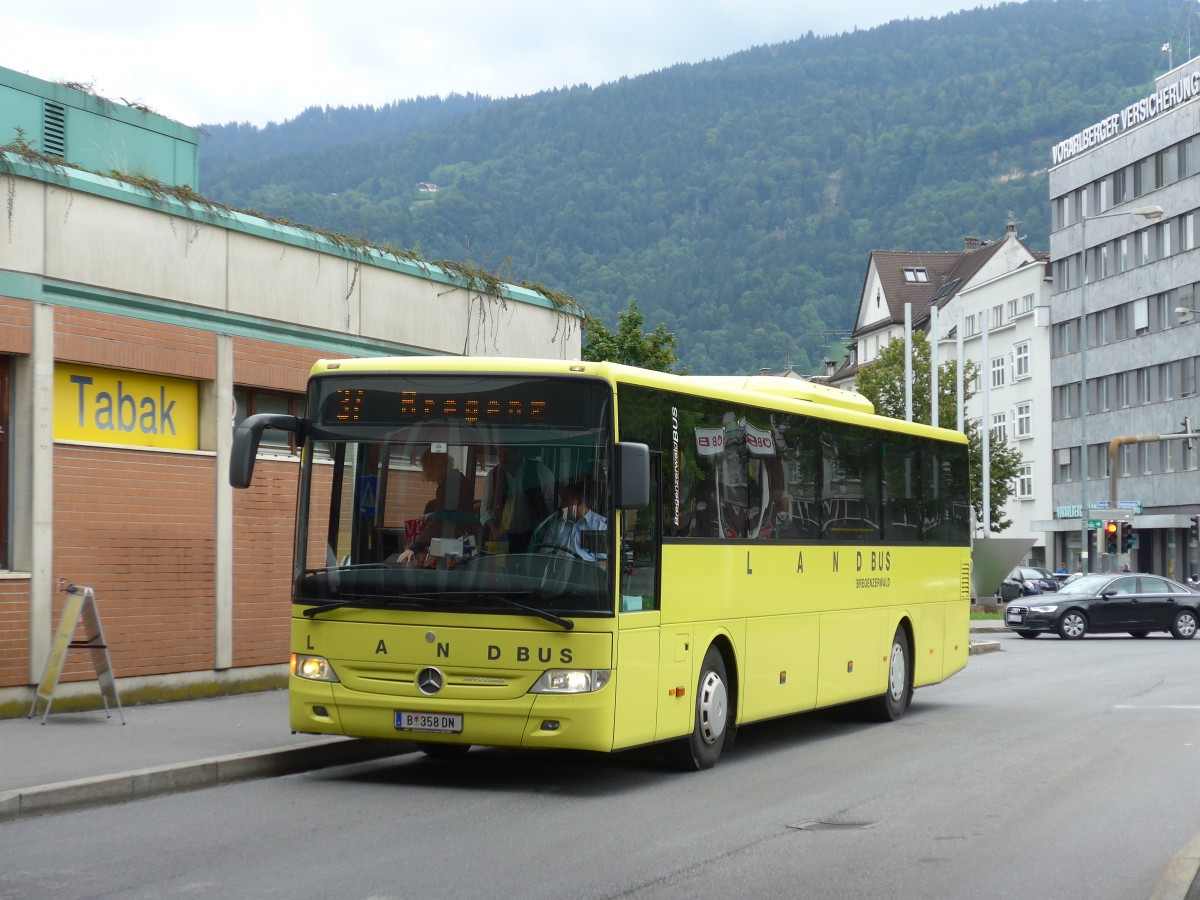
[[84, 759]]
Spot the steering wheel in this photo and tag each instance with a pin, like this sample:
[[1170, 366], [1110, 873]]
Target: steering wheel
[[545, 546]]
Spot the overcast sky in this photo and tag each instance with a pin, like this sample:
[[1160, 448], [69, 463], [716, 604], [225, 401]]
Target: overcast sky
[[260, 61]]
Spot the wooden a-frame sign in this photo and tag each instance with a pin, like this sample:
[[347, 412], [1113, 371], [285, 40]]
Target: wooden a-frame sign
[[81, 603]]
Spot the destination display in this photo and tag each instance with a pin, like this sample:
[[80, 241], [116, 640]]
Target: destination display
[[403, 400]]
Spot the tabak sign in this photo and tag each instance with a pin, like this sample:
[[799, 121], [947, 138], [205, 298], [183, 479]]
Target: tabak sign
[[110, 406], [1167, 97]]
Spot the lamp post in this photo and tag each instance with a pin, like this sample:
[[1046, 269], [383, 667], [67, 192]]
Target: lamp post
[[1149, 213]]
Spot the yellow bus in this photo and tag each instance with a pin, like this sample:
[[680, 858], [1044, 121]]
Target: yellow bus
[[539, 553]]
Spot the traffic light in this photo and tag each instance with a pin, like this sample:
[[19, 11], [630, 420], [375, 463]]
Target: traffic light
[[1194, 529], [1127, 539], [1110, 537]]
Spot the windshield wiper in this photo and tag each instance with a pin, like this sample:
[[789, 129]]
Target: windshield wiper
[[565, 624], [366, 602]]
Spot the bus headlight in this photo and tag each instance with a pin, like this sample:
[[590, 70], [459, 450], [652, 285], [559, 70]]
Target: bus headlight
[[571, 681], [314, 668]]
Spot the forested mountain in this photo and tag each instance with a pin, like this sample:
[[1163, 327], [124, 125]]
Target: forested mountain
[[736, 200]]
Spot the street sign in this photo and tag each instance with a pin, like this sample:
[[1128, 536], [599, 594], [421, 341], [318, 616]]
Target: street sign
[[1094, 523]]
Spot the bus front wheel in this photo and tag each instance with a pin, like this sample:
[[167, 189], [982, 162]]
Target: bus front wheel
[[713, 728]]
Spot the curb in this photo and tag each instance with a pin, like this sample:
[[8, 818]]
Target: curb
[[978, 647], [169, 779]]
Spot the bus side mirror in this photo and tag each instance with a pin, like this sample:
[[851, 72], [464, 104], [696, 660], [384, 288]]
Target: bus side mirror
[[633, 476], [245, 444]]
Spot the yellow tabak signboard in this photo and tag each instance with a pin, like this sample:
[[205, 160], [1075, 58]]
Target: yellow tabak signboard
[[108, 406]]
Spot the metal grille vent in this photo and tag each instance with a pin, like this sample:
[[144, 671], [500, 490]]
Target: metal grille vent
[[964, 581], [54, 129]]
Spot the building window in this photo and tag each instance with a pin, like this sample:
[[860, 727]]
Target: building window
[[1123, 254], [1143, 385], [1021, 360], [1101, 391], [1141, 315], [1027, 303], [1182, 157], [1064, 400], [1124, 389], [1025, 481], [1164, 239], [1166, 381], [1190, 455], [1024, 423], [1169, 451], [1064, 338], [1162, 311], [1187, 232], [1012, 310], [1147, 457], [1066, 465], [997, 316], [969, 326], [251, 401], [998, 371], [1063, 207], [1125, 459], [1000, 427], [1187, 377], [916, 274], [1121, 314], [1143, 238]]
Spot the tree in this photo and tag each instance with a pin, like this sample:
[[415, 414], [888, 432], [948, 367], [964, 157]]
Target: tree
[[882, 382], [630, 345]]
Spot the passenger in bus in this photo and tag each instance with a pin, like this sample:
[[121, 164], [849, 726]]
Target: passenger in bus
[[449, 513], [564, 532], [517, 495]]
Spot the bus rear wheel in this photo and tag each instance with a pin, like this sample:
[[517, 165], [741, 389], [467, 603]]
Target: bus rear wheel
[[892, 705], [713, 728]]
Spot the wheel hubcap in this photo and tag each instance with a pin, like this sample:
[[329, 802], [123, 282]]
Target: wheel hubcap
[[713, 704], [896, 673], [1187, 625], [1073, 626]]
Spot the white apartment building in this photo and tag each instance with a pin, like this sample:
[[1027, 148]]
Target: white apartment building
[[999, 291]]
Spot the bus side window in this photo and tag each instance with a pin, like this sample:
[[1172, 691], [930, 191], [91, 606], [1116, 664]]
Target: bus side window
[[641, 538]]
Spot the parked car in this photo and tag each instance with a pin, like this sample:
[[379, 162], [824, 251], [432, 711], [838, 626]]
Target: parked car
[[1025, 581], [1102, 604]]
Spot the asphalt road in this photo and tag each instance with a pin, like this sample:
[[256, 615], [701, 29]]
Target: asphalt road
[[1049, 769]]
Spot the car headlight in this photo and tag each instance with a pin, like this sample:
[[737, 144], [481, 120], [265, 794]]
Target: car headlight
[[571, 681], [1044, 609], [314, 668]]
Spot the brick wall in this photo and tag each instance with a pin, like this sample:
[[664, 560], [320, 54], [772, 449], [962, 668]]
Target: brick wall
[[14, 632], [138, 528], [263, 525], [116, 342], [16, 325]]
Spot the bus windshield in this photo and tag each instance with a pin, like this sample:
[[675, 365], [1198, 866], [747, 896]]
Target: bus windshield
[[456, 493]]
